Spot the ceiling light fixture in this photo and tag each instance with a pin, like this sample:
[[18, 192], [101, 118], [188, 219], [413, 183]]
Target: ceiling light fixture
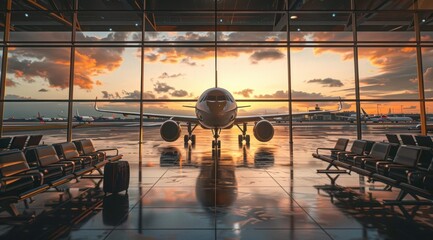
[[293, 17]]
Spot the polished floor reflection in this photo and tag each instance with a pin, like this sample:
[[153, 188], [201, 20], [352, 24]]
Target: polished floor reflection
[[262, 191]]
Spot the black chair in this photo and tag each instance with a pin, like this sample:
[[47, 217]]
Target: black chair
[[45, 159], [392, 173], [392, 138], [407, 140], [340, 145], [424, 141], [18, 142], [4, 142], [67, 151], [345, 158], [17, 180], [86, 148], [34, 140]]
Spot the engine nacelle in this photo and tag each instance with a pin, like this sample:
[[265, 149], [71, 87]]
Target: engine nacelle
[[170, 131], [263, 131]]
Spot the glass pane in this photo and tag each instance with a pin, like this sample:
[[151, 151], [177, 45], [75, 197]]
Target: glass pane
[[2, 25], [42, 5], [389, 117], [105, 5], [250, 72], [384, 5], [175, 21], [426, 26], [109, 26], [385, 26], [388, 73], [40, 26], [33, 118], [178, 72], [252, 22], [425, 4], [108, 130], [179, 5], [319, 5], [38, 73], [427, 63], [331, 27], [314, 74], [107, 73], [261, 5]]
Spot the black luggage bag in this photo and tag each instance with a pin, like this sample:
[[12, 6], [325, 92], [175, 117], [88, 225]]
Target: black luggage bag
[[116, 177]]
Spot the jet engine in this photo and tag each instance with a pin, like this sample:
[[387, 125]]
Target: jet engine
[[170, 131], [263, 131]]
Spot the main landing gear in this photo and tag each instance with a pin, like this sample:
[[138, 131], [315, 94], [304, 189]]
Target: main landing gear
[[190, 136], [244, 135]]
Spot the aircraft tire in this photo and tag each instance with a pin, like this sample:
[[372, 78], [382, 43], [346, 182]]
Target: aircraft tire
[[185, 139], [193, 139], [247, 139], [240, 138]]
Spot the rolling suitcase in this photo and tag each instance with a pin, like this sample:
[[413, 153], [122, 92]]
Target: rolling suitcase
[[116, 177]]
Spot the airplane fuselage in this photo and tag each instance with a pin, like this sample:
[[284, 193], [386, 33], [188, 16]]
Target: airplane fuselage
[[216, 108]]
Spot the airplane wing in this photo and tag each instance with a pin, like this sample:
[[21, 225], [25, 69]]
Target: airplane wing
[[243, 119], [180, 118]]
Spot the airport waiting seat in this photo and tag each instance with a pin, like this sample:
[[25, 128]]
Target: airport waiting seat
[[392, 138], [68, 152], [366, 165], [86, 148], [345, 158], [407, 139], [396, 171], [34, 140], [368, 147], [424, 141], [18, 142], [17, 180], [340, 145], [45, 159], [4, 142]]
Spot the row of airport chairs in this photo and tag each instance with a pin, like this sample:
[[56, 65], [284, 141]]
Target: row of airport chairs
[[24, 174], [411, 140], [19, 142], [410, 169]]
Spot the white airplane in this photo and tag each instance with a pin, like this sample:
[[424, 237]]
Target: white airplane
[[216, 109], [364, 117], [43, 119], [83, 119], [397, 119]]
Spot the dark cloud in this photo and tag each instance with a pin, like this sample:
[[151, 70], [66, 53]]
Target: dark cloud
[[106, 94], [52, 65], [245, 92], [160, 87], [270, 55], [10, 83], [16, 97], [277, 94], [188, 62], [131, 95], [179, 93], [43, 90], [327, 82], [166, 75]]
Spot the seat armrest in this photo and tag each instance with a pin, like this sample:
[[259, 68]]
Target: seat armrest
[[111, 149], [38, 175], [362, 157], [317, 150]]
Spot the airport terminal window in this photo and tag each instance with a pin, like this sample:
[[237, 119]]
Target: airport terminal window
[[250, 72], [322, 73], [249, 57], [178, 72], [427, 61], [107, 73], [38, 73], [388, 73]]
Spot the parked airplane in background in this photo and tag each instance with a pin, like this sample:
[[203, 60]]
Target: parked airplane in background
[[396, 119], [83, 119], [364, 117], [43, 119], [216, 109]]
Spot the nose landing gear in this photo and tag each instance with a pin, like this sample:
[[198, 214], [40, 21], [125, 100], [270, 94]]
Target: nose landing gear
[[216, 144]]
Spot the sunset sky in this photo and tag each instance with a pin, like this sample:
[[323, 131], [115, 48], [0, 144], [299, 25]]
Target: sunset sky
[[184, 73]]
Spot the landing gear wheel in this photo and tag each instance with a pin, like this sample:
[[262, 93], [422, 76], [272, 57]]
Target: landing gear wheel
[[192, 139], [219, 144], [185, 139], [213, 144], [240, 138], [247, 139]]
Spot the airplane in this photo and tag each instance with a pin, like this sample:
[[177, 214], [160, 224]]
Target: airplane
[[43, 119], [216, 109], [83, 119], [364, 117], [396, 119]]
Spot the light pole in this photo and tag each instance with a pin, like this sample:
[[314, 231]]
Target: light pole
[[377, 108]]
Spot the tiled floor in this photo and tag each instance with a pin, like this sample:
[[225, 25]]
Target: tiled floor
[[265, 191]]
